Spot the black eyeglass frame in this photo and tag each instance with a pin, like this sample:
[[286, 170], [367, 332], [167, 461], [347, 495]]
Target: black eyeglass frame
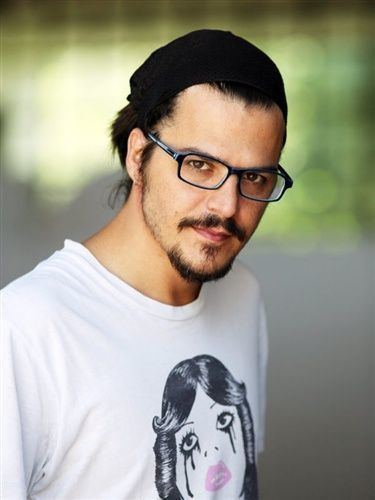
[[179, 157]]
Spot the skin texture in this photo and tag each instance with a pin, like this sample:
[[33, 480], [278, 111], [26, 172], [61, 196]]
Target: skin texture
[[138, 243]]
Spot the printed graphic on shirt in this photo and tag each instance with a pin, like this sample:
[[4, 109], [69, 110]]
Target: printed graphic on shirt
[[205, 436]]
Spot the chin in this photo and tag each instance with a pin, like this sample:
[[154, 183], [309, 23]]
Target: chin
[[209, 270]]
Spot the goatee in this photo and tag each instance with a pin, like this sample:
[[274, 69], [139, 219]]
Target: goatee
[[188, 273]]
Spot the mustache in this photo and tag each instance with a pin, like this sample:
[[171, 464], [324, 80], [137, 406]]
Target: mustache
[[213, 220]]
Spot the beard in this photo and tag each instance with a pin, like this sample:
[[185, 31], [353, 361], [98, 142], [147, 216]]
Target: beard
[[193, 275], [206, 270], [210, 252]]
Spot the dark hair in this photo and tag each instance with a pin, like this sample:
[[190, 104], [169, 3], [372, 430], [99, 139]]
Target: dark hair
[[127, 119], [178, 399]]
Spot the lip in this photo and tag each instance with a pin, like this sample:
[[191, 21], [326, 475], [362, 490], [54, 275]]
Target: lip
[[217, 476], [209, 234]]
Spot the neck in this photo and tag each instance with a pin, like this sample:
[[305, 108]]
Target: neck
[[127, 249]]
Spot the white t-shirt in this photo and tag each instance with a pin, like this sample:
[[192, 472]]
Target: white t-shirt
[[108, 394]]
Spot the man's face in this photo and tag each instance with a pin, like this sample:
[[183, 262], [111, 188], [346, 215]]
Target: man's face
[[201, 230]]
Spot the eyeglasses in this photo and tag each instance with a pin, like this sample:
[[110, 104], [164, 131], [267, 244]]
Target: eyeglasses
[[205, 172]]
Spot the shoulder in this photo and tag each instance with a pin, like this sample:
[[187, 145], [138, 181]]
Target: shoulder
[[35, 297], [29, 296]]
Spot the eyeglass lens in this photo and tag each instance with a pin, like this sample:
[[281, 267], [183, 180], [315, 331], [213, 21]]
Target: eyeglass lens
[[207, 173]]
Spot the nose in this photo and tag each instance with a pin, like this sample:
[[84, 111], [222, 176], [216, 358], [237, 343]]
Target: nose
[[224, 201], [214, 451]]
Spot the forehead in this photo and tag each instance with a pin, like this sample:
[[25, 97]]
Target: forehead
[[227, 127], [204, 404]]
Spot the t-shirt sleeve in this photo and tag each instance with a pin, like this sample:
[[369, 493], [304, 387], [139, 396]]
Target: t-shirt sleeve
[[23, 420], [263, 360]]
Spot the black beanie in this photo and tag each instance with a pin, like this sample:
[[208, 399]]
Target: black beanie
[[199, 57]]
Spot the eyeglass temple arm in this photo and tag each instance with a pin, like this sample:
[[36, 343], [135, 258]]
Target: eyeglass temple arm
[[168, 150]]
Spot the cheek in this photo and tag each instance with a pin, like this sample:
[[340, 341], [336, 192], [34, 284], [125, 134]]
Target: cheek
[[173, 194], [250, 214], [183, 202]]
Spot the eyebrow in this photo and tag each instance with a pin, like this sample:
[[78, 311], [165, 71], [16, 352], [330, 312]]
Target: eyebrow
[[199, 152], [203, 153], [212, 157]]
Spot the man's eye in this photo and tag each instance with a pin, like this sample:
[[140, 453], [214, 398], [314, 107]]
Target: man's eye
[[189, 442], [224, 420], [199, 164], [253, 177]]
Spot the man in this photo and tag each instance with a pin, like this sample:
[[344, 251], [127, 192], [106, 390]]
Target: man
[[131, 370]]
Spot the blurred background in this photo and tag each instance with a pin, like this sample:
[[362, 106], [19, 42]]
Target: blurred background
[[65, 73]]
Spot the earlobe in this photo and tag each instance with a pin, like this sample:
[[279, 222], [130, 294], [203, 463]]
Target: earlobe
[[136, 144]]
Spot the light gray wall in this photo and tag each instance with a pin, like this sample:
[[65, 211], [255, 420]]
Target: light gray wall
[[320, 433]]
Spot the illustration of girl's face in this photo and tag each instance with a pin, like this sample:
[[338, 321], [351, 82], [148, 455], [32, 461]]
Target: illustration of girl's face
[[210, 451]]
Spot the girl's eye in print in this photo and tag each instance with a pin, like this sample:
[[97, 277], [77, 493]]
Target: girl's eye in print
[[189, 443], [224, 421]]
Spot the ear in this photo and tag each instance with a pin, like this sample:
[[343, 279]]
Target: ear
[[136, 144]]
